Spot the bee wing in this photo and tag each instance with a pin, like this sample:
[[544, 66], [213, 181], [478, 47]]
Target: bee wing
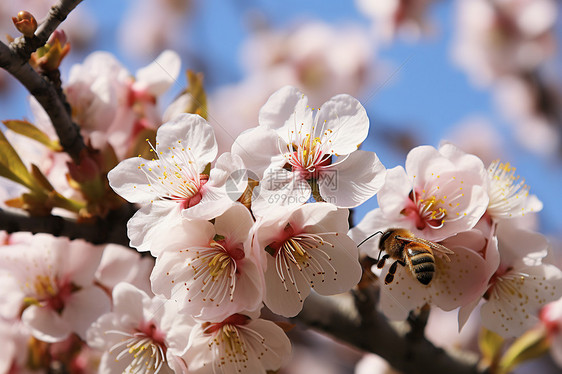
[[436, 247]]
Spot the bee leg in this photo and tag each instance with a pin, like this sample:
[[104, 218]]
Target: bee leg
[[391, 271], [380, 263]]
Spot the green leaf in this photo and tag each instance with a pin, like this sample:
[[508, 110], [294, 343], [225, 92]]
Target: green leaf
[[28, 129], [491, 345], [12, 167], [529, 346]]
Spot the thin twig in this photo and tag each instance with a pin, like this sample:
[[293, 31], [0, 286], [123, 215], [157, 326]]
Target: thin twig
[[14, 59]]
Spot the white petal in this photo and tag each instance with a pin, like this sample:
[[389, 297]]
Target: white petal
[[145, 227], [278, 345], [259, 149], [340, 263], [285, 297], [346, 117], [129, 182], [515, 312], [353, 181], [191, 132], [46, 324], [286, 107], [84, 307], [157, 77], [404, 294], [235, 223]]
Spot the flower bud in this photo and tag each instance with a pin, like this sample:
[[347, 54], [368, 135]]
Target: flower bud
[[25, 23]]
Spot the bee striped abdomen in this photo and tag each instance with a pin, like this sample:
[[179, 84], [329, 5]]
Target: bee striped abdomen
[[422, 263]]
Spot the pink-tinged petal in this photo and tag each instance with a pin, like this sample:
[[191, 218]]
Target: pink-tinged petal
[[423, 158], [279, 189], [120, 264], [84, 307], [278, 345], [129, 303], [145, 228], [286, 289], [353, 181], [11, 297], [318, 218], [170, 273], [393, 194], [373, 222], [109, 363], [80, 261], [517, 244], [157, 77], [215, 202], [96, 336], [46, 324], [460, 281], [340, 261], [235, 223], [404, 294], [468, 162], [286, 107], [465, 312], [190, 132], [130, 182], [226, 165], [259, 148], [346, 118], [517, 298]]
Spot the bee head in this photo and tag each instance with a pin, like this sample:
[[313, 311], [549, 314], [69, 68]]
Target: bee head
[[384, 237]]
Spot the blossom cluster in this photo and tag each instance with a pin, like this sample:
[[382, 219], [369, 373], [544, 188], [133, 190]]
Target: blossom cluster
[[220, 236]]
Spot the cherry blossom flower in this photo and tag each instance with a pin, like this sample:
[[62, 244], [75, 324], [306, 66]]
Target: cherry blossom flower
[[551, 319], [237, 344], [522, 284], [51, 280], [509, 195], [460, 278], [502, 37], [211, 271], [303, 248], [393, 16], [440, 193], [291, 136], [140, 335], [173, 184], [112, 106]]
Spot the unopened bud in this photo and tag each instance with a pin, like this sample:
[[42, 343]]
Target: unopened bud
[[25, 23]]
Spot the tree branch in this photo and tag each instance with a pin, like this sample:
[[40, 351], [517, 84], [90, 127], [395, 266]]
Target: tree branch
[[15, 60], [24, 47], [111, 229], [353, 318]]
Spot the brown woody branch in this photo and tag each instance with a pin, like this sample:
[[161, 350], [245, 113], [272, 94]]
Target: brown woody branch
[[111, 229], [353, 318], [15, 60]]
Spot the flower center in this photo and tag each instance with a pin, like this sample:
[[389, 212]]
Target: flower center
[[425, 211], [49, 292], [145, 347], [175, 175], [306, 153], [507, 191], [215, 272], [233, 341], [301, 253]]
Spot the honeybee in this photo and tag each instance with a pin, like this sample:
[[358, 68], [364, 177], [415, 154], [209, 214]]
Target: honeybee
[[407, 249]]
